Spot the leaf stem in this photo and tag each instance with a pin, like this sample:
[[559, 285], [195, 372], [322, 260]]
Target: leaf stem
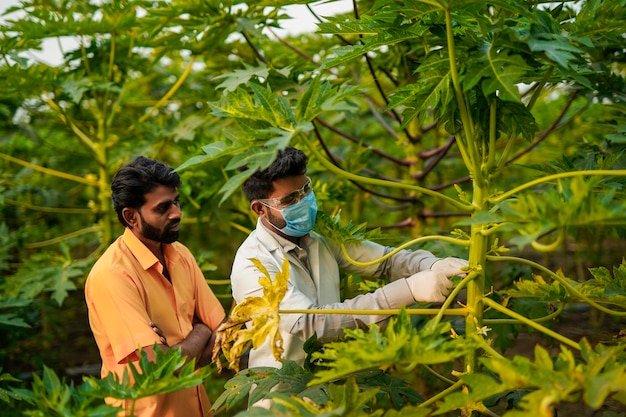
[[171, 91], [526, 320], [458, 384], [389, 312], [438, 375], [570, 289], [82, 136], [444, 308], [60, 210], [487, 347], [549, 317], [48, 171], [59, 239], [603, 172], [550, 247], [540, 87], [401, 247]]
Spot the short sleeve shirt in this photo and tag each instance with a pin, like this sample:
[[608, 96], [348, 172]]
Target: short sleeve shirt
[[126, 290]]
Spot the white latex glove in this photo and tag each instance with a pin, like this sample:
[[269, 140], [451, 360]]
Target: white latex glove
[[429, 286], [450, 266]]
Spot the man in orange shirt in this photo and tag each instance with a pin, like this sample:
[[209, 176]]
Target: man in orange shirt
[[147, 288]]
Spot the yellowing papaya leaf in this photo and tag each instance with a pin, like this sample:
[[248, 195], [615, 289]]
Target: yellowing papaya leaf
[[261, 312]]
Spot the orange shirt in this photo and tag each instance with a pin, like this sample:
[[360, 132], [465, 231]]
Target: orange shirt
[[126, 290]]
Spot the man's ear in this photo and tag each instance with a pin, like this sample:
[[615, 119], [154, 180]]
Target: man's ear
[[257, 207], [130, 216]]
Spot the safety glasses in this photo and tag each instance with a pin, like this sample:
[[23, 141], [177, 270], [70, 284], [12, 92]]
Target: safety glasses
[[291, 198]]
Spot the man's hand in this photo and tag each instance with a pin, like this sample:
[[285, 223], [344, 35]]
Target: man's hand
[[450, 267], [429, 286], [195, 346]]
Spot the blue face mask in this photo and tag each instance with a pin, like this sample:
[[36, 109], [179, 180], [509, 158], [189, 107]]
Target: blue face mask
[[300, 217]]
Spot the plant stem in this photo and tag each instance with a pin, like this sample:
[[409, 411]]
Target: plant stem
[[401, 247], [600, 172], [475, 287], [470, 158], [171, 91], [59, 239], [549, 317], [531, 323], [570, 289], [487, 347], [82, 136], [442, 394], [438, 375], [444, 308], [48, 171], [550, 247], [491, 157], [390, 312], [59, 210]]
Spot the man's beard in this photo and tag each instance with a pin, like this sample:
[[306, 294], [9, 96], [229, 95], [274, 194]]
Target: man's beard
[[277, 222], [165, 236]]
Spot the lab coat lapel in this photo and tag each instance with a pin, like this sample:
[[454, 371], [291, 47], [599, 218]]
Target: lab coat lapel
[[325, 290]]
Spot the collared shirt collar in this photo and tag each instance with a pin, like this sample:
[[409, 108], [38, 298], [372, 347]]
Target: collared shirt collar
[[146, 258]]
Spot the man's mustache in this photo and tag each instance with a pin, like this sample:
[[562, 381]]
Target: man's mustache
[[172, 224]]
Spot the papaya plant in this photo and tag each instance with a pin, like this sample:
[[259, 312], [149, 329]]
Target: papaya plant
[[477, 72], [120, 90], [493, 131], [53, 396], [75, 124]]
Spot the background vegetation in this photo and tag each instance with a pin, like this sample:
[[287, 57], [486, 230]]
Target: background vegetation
[[421, 119]]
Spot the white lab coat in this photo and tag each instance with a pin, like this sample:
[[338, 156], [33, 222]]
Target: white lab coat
[[314, 283]]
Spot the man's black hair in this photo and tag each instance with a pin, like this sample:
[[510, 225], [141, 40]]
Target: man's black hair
[[290, 162], [134, 180]]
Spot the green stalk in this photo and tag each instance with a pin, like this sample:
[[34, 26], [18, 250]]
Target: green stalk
[[438, 375], [487, 347], [401, 247], [550, 247], [543, 319], [171, 91], [389, 312], [539, 89], [504, 157], [570, 289], [443, 394], [50, 209], [491, 157], [59, 239], [478, 245], [531, 323], [471, 160], [444, 308], [82, 136], [48, 171], [602, 172], [475, 288]]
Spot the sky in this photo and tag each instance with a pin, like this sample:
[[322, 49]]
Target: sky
[[302, 22]]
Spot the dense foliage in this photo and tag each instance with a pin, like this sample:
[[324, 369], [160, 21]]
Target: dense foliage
[[492, 131]]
